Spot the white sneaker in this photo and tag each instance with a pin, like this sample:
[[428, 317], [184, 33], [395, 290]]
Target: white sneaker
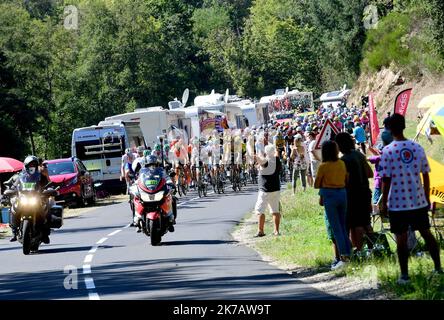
[[340, 265]]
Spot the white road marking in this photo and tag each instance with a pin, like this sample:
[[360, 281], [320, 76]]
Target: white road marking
[[93, 249], [86, 269], [114, 233], [182, 203], [88, 258], [101, 241], [93, 296], [89, 281]]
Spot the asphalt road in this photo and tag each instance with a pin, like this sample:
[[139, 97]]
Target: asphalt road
[[105, 259]]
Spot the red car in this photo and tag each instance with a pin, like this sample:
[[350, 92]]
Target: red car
[[76, 184]]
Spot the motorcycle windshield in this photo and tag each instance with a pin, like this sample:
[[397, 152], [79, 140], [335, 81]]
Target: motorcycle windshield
[[151, 178], [29, 182]]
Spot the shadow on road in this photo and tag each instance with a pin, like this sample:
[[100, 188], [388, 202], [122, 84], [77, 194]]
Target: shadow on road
[[72, 249], [74, 230], [197, 242], [191, 279]]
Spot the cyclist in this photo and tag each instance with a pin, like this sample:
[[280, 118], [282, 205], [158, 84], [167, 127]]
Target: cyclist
[[126, 170]]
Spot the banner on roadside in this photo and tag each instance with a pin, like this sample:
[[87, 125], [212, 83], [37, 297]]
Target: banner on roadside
[[402, 102], [374, 126]]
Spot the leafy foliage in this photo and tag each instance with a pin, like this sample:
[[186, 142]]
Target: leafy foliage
[[131, 54]]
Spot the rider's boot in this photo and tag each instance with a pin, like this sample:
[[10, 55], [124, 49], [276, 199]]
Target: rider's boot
[[14, 238]]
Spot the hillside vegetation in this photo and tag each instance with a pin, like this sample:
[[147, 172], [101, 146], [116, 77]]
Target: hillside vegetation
[[141, 53]]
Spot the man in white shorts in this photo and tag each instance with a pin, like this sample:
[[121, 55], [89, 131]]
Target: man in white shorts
[[269, 189]]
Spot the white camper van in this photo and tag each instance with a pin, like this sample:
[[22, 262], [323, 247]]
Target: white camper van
[[334, 98], [156, 121], [243, 112], [101, 148]]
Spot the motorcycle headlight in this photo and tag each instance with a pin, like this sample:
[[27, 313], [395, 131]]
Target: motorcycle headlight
[[158, 196], [29, 200], [152, 197]]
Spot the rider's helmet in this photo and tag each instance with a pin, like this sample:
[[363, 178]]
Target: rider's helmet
[[146, 153], [151, 161], [140, 149], [157, 147], [166, 148], [31, 162]]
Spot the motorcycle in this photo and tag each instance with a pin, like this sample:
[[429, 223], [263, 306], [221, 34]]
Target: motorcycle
[[36, 211], [154, 205]]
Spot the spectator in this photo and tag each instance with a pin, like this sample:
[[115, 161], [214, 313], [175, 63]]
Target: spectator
[[360, 136], [405, 198], [331, 180], [386, 138], [338, 124], [315, 157], [269, 189], [386, 120], [307, 158], [299, 163], [359, 195]]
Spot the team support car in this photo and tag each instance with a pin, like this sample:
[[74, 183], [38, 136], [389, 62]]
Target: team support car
[[76, 183]]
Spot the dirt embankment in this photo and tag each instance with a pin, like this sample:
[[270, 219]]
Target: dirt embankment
[[387, 84]]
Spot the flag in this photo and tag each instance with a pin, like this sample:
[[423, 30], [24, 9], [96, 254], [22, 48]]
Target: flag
[[374, 126], [402, 102]]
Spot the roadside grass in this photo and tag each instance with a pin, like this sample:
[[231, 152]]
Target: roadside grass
[[303, 239], [5, 233], [303, 243]]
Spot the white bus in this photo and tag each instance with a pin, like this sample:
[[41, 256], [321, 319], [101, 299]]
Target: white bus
[[101, 148]]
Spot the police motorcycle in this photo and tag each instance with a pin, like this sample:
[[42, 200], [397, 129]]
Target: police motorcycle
[[154, 203], [33, 208]]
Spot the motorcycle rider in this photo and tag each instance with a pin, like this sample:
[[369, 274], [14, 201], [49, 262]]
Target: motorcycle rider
[[152, 163], [139, 162], [31, 172]]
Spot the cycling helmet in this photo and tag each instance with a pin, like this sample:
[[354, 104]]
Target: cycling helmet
[[129, 152], [140, 149], [146, 153], [151, 161], [157, 147], [166, 148]]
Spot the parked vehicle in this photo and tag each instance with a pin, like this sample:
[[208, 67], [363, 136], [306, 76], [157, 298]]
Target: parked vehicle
[[155, 121], [153, 204], [36, 210], [75, 181], [101, 148]]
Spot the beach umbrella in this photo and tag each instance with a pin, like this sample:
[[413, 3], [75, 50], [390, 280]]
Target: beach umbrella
[[438, 119], [10, 165], [436, 181], [434, 100]]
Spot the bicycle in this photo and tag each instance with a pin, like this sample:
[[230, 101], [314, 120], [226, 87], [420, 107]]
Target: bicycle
[[201, 183], [252, 172], [235, 178], [181, 184], [219, 183]]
